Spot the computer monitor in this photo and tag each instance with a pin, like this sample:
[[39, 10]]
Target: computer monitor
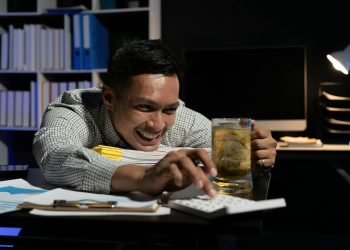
[[267, 84]]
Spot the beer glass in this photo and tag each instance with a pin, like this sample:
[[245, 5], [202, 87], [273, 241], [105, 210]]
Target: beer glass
[[231, 150]]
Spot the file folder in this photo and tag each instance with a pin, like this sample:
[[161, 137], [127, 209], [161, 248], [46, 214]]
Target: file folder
[[95, 42], [77, 42]]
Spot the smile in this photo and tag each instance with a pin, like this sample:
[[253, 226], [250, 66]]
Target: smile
[[148, 136]]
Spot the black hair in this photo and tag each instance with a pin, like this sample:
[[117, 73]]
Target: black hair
[[141, 57]]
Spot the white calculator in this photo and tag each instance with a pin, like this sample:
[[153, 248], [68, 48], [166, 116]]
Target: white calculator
[[204, 206]]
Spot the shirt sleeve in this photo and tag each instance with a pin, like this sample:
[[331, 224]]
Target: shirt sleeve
[[62, 149]]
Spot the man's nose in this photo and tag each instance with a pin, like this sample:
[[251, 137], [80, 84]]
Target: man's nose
[[157, 121]]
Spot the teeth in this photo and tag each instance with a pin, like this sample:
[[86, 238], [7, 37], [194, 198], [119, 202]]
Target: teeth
[[149, 136]]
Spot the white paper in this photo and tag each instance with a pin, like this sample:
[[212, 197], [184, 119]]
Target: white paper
[[14, 192], [9, 201], [48, 198]]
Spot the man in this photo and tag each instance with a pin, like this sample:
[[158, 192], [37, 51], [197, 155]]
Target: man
[[137, 108]]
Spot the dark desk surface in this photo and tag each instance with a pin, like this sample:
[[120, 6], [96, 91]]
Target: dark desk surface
[[104, 229], [317, 216]]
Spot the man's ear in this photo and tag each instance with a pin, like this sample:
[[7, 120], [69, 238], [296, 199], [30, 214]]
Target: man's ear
[[108, 96]]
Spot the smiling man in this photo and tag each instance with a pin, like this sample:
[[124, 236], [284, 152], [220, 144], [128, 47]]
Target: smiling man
[[138, 107]]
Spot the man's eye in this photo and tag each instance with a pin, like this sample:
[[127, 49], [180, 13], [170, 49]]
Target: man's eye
[[170, 111], [144, 107]]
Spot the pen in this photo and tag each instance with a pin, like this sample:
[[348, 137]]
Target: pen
[[84, 205]]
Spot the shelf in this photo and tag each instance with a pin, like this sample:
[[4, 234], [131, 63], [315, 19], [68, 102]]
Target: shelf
[[331, 97], [18, 129], [42, 80]]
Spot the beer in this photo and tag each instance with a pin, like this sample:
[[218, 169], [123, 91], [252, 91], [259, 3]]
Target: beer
[[231, 154]]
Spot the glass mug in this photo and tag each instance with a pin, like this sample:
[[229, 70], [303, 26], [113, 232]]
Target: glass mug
[[231, 151]]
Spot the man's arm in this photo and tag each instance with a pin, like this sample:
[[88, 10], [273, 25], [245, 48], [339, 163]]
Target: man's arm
[[62, 150]]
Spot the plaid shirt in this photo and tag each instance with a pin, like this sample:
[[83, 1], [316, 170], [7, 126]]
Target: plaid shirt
[[78, 121]]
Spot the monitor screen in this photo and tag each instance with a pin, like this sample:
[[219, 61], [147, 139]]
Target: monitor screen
[[267, 84]]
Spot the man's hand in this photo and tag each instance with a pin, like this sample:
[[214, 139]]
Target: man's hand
[[263, 149], [177, 170]]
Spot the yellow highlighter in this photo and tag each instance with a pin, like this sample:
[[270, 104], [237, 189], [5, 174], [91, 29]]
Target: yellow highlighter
[[109, 152]]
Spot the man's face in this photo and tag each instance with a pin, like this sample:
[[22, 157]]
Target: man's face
[[145, 110]]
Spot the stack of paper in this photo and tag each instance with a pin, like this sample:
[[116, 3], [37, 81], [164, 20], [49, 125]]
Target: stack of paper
[[135, 156]]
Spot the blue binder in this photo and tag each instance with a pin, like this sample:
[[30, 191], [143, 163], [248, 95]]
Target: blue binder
[[77, 42], [95, 42]]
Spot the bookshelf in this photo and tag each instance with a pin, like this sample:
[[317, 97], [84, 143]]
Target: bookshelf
[[39, 63]]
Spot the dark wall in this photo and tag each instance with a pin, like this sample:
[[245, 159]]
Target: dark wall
[[322, 27]]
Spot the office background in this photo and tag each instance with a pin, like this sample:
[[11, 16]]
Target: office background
[[320, 27]]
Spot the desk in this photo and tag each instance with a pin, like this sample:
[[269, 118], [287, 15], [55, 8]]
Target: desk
[[316, 217], [105, 232], [327, 151]]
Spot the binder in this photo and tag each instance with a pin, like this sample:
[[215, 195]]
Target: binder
[[67, 43], [95, 42], [4, 50], [77, 42], [34, 103], [18, 122], [3, 108], [63, 87], [54, 91], [26, 109], [10, 108], [72, 85]]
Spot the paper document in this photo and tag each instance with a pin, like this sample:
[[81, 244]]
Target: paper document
[[133, 202], [13, 192]]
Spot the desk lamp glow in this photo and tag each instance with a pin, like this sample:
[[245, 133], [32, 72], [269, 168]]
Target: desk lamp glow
[[341, 60]]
